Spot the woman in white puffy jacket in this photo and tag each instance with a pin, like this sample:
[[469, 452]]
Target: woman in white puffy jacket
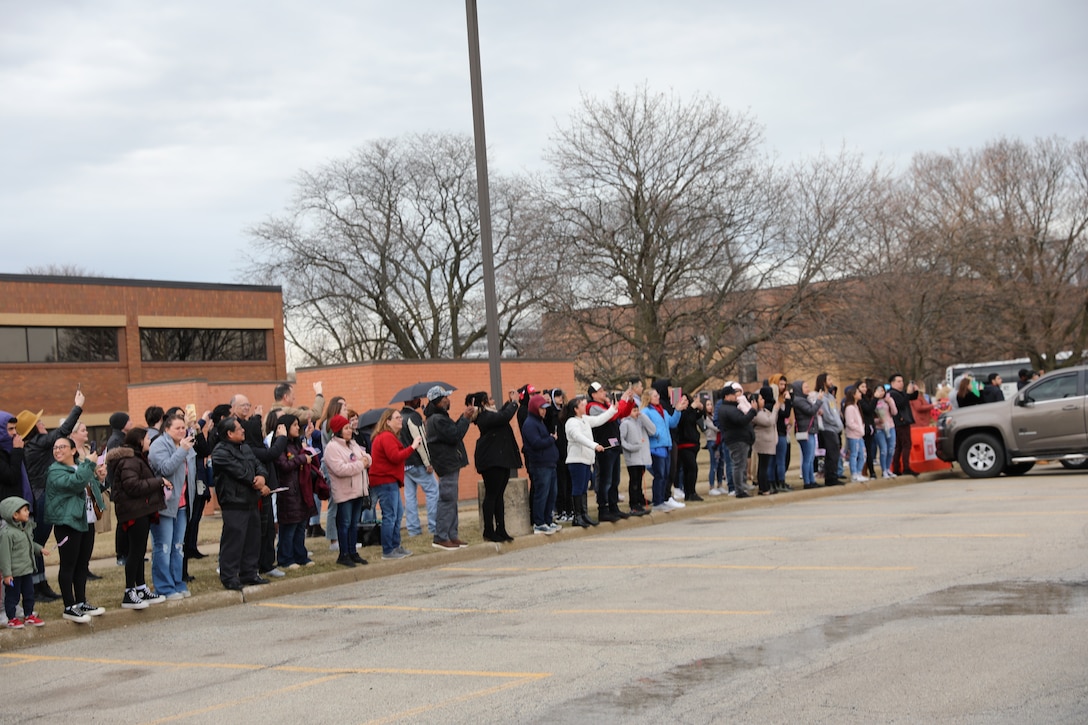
[[582, 451]]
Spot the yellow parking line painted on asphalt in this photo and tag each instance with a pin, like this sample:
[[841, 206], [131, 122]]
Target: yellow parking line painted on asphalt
[[244, 700], [919, 536], [380, 607], [606, 539], [655, 612], [338, 671], [453, 701], [722, 567]]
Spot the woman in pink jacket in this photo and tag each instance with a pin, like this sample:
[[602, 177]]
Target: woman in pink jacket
[[347, 464], [855, 434]]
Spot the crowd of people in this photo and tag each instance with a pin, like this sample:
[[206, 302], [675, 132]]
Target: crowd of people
[[273, 474]]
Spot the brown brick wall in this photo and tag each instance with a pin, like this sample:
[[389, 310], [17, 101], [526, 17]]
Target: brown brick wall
[[52, 386]]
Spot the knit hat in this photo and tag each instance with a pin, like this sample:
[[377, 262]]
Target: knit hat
[[118, 420], [337, 424]]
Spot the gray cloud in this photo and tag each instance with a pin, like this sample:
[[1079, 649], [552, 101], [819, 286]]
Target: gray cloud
[[143, 139]]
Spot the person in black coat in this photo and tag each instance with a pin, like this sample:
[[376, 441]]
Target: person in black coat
[[903, 419], [267, 455], [991, 392], [239, 485], [496, 458]]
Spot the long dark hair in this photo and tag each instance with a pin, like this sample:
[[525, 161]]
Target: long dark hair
[[134, 439]]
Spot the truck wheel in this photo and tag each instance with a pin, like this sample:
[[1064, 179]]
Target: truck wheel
[[981, 456], [1077, 464], [1019, 469]]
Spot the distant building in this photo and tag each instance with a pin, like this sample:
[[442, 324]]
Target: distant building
[[106, 334]]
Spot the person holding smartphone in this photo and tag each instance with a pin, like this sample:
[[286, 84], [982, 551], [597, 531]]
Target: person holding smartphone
[[172, 456]]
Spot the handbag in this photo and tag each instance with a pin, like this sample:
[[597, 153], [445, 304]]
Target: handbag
[[94, 504]]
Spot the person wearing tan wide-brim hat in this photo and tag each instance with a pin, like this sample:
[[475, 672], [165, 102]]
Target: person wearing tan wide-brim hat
[[27, 421], [38, 457]]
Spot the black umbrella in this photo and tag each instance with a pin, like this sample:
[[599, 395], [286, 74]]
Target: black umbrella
[[419, 390], [370, 418]]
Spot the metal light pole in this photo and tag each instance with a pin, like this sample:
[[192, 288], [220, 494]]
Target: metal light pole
[[491, 308]]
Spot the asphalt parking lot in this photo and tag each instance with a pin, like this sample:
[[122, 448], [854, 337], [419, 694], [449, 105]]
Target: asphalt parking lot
[[947, 600]]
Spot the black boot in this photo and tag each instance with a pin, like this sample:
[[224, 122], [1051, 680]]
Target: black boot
[[603, 514], [579, 519], [44, 593]]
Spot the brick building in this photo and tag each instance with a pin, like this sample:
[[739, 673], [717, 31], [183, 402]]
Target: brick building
[[107, 334]]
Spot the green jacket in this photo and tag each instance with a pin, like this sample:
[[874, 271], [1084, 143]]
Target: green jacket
[[17, 547], [66, 497]]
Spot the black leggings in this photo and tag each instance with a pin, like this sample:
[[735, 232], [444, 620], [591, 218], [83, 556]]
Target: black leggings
[[635, 496], [74, 557], [688, 462], [137, 547], [495, 481]]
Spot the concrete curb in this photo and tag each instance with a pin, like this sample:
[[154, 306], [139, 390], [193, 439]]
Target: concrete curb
[[57, 630]]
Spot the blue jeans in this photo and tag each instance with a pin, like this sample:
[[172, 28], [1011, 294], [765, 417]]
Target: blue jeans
[[388, 495], [659, 466], [580, 473], [545, 487], [885, 444], [168, 553], [292, 546], [415, 478], [717, 465], [347, 524], [808, 458], [780, 451], [856, 452]]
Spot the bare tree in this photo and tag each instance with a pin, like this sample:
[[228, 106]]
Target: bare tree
[[379, 254], [54, 269], [681, 248]]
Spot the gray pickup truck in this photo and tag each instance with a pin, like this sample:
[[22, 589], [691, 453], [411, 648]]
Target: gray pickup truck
[[1045, 421]]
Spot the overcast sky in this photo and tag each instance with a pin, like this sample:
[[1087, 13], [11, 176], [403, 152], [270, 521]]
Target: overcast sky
[[141, 139]]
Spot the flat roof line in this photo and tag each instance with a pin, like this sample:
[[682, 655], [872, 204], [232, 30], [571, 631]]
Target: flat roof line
[[119, 282]]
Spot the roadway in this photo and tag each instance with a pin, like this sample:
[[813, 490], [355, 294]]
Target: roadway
[[947, 600]]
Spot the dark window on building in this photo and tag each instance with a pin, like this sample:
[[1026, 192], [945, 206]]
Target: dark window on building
[[58, 344], [200, 345]]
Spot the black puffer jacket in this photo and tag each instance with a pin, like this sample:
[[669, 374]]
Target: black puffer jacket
[[235, 468]]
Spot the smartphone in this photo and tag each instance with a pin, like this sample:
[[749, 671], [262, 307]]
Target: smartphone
[[674, 395], [94, 446]]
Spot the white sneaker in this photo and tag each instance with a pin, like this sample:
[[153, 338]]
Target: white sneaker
[[675, 504], [862, 479], [732, 493], [275, 572], [622, 497], [555, 527], [678, 494], [663, 508], [715, 492], [334, 546]]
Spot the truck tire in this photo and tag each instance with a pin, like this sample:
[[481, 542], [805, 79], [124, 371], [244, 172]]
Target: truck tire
[[1019, 469], [1076, 465], [981, 456]]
